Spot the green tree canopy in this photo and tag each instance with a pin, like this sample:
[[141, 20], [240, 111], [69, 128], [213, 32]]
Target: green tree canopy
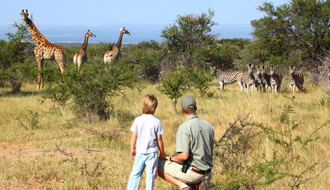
[[13, 50], [299, 27], [174, 84], [188, 35]]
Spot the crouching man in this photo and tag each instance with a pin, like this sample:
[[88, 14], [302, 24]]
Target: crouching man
[[194, 146]]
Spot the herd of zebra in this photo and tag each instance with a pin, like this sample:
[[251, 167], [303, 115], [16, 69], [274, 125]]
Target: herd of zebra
[[260, 80]]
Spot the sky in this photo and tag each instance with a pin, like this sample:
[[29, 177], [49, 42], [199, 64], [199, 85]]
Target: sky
[[68, 13]]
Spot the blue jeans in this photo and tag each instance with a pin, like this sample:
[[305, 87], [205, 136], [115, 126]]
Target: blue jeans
[[143, 161]]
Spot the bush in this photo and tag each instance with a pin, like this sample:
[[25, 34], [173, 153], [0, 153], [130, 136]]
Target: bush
[[91, 89], [201, 79], [174, 84], [16, 81], [247, 168]]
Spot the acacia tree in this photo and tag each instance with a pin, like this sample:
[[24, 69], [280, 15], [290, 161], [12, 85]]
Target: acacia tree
[[13, 50], [89, 90], [174, 84], [13, 53], [201, 80], [187, 36], [301, 26]]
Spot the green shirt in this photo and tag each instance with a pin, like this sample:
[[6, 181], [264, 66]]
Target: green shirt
[[195, 136]]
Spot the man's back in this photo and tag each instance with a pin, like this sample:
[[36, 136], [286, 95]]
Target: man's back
[[195, 136]]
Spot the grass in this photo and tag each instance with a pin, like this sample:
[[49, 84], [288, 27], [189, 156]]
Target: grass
[[57, 155]]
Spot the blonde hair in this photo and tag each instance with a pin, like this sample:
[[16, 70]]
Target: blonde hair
[[149, 104]]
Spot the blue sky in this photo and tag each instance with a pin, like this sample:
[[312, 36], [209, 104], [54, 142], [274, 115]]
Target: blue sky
[[92, 13], [125, 13]]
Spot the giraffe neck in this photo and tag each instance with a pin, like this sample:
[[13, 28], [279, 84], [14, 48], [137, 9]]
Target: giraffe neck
[[118, 44], [37, 37], [85, 44]]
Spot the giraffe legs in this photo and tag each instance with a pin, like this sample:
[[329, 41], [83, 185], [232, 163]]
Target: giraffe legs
[[119, 57], [40, 74], [77, 59], [61, 63], [60, 58], [62, 67], [80, 61]]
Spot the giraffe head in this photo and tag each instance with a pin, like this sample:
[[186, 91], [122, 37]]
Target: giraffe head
[[125, 31], [90, 34], [25, 15]]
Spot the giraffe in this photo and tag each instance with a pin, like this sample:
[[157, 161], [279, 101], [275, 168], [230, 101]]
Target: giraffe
[[44, 50], [114, 53], [81, 56]]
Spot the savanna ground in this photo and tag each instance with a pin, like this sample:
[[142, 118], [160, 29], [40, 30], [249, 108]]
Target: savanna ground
[[43, 147]]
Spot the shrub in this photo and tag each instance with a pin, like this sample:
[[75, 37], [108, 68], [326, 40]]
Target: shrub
[[201, 79], [247, 168], [91, 89], [173, 85]]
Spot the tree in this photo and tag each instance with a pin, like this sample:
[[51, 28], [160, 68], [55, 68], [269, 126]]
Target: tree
[[189, 34], [230, 49], [173, 85], [13, 54], [299, 26], [146, 54], [91, 88], [13, 50], [201, 80]]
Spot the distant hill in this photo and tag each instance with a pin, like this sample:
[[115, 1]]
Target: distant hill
[[110, 32]]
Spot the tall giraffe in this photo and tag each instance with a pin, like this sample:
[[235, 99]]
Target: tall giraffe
[[81, 56], [44, 50], [114, 53]]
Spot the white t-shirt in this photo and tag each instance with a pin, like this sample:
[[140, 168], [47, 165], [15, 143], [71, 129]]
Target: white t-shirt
[[147, 128]]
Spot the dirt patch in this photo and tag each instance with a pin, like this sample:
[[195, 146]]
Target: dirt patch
[[29, 150], [15, 146], [34, 185]]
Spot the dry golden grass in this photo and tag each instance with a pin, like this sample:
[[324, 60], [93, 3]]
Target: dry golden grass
[[29, 158]]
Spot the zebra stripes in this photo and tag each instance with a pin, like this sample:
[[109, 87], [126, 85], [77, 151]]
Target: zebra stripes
[[258, 79], [248, 79], [229, 77], [265, 78], [275, 80], [296, 79]]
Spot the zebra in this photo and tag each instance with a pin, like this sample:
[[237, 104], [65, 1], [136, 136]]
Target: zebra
[[258, 77], [275, 80], [265, 78], [229, 77], [295, 79], [248, 78]]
